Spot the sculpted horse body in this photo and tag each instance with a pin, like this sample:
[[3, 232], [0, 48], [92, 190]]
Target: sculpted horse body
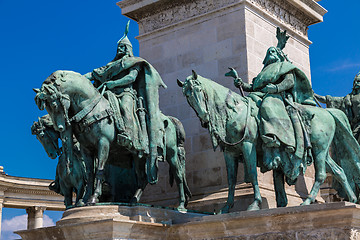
[[232, 124], [70, 175], [67, 93]]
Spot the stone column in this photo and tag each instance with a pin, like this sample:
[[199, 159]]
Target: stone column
[[1, 207], [2, 197], [209, 36], [35, 217]]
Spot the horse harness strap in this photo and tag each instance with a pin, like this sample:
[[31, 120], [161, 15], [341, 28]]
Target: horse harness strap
[[82, 116], [86, 110], [85, 123]]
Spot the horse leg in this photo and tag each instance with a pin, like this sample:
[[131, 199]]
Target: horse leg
[[281, 198], [78, 180], [80, 192], [89, 173], [141, 179], [231, 168], [340, 176], [103, 153], [320, 175], [67, 191], [178, 173], [249, 152]]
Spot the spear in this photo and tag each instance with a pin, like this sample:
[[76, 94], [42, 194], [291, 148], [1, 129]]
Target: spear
[[233, 73]]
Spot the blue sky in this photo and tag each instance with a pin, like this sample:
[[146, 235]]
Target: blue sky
[[40, 37]]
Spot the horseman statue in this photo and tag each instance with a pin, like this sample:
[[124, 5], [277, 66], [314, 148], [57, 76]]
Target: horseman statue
[[133, 84], [283, 126], [113, 112], [276, 127]]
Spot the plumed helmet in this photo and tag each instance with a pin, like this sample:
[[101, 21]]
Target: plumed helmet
[[125, 40]]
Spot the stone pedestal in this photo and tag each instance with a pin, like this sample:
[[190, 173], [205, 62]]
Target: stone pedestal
[[111, 222], [317, 221], [209, 36]]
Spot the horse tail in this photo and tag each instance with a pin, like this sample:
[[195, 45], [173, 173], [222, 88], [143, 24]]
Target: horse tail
[[345, 152], [180, 140]]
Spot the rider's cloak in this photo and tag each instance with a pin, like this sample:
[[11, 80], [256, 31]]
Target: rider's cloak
[[301, 92], [275, 119], [147, 86]]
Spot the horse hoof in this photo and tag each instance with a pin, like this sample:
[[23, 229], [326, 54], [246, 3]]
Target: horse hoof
[[353, 200], [253, 207], [306, 202], [224, 210], [80, 204], [92, 201], [133, 200], [181, 208]]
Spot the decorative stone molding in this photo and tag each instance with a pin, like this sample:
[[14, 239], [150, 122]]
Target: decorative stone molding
[[155, 14], [177, 13], [20, 192]]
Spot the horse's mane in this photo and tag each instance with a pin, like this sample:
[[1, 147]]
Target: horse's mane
[[46, 120], [220, 104], [43, 121], [51, 84]]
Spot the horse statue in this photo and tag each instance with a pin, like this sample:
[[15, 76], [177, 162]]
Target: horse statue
[[66, 94], [70, 175], [232, 121]]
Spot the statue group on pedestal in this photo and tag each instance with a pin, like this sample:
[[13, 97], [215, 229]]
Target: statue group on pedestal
[[276, 127], [121, 126], [113, 133]]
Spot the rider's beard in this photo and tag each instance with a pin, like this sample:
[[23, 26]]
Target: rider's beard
[[120, 55], [271, 59]]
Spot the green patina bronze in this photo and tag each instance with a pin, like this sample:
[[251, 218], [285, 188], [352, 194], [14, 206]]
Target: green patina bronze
[[72, 173], [277, 127], [350, 105], [121, 126]]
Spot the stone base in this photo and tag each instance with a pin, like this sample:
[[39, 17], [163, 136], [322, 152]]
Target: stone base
[[318, 221]]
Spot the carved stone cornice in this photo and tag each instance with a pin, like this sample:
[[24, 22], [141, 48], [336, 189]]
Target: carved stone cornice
[[156, 14], [22, 192], [32, 191], [163, 13], [298, 15]]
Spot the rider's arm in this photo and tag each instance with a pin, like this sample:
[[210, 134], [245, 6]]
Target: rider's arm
[[124, 81], [238, 82], [286, 84]]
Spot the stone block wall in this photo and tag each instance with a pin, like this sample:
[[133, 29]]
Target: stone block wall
[[209, 36]]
